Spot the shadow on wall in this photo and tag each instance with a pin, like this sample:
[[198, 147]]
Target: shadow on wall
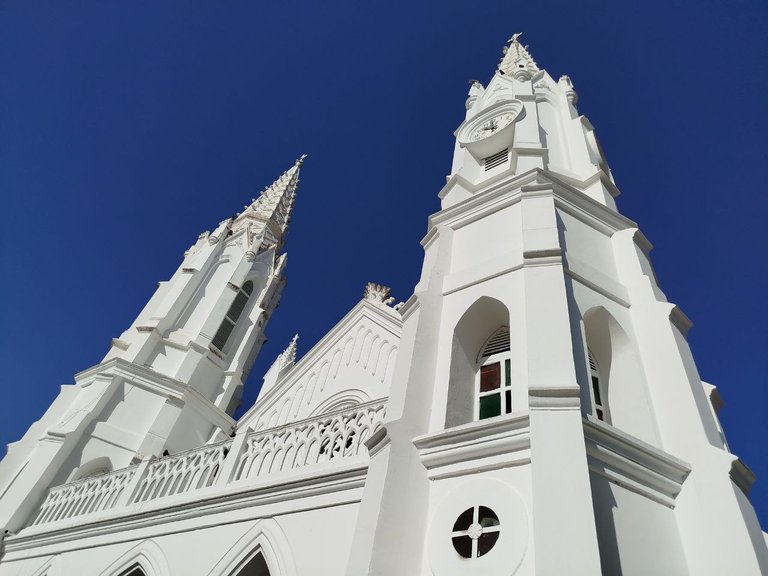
[[475, 327], [623, 389]]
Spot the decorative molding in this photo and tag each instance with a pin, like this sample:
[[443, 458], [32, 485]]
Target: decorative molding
[[409, 307], [146, 554], [209, 507], [378, 293], [554, 397], [742, 476], [483, 445], [377, 441], [633, 464], [680, 320], [265, 537]]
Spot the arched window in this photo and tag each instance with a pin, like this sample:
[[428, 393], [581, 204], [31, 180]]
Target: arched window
[[134, 570], [598, 394], [256, 566], [494, 382], [232, 316]]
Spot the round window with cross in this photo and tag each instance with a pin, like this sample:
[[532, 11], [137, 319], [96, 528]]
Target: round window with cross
[[475, 532]]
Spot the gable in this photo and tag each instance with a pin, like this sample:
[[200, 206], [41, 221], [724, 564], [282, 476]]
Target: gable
[[352, 364]]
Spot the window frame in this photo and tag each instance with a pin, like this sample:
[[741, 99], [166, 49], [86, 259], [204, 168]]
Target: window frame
[[597, 390], [233, 316], [502, 357]]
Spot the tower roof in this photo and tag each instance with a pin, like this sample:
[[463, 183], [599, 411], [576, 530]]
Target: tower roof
[[269, 214], [517, 61]]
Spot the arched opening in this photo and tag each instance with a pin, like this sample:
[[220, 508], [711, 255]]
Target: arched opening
[[494, 386], [600, 408], [480, 369], [134, 570], [233, 315], [621, 388], [256, 566]]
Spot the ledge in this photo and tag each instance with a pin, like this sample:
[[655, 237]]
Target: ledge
[[497, 442], [204, 507], [633, 464]]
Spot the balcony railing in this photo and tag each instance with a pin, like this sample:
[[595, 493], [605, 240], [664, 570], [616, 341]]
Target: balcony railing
[[323, 439]]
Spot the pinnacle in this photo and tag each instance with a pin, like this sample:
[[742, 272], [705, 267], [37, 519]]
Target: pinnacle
[[272, 208], [288, 356], [517, 61]]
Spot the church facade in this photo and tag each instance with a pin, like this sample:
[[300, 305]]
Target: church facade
[[532, 409]]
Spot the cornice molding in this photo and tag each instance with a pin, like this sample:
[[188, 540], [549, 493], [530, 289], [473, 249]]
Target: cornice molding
[[742, 476], [680, 320], [204, 508], [377, 441], [509, 190], [496, 442], [556, 397], [153, 381], [633, 464]]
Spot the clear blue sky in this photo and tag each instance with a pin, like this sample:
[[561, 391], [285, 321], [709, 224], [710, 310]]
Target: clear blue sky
[[127, 128]]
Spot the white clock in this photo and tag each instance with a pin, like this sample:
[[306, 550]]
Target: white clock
[[491, 126], [492, 129]]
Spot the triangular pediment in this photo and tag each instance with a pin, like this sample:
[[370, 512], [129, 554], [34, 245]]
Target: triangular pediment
[[351, 364]]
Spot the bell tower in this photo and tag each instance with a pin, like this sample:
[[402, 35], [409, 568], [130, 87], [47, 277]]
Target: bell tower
[[546, 416], [172, 381]]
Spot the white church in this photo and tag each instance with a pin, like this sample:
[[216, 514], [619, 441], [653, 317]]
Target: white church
[[532, 409]]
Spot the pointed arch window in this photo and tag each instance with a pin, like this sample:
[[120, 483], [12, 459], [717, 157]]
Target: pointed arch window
[[256, 566], [134, 570], [494, 383], [600, 409], [233, 315]]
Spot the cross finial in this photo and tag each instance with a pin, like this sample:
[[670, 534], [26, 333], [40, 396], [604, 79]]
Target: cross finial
[[300, 160], [514, 38]]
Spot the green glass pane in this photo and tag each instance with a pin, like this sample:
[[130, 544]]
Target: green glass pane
[[596, 390], [490, 406], [507, 375]]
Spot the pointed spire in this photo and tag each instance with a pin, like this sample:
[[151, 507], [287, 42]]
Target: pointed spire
[[517, 61], [268, 216], [288, 355]]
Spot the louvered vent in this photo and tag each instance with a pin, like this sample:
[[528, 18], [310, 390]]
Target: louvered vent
[[496, 159], [592, 363], [499, 342]]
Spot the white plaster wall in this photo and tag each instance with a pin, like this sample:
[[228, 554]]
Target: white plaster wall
[[484, 240], [315, 541], [637, 536]]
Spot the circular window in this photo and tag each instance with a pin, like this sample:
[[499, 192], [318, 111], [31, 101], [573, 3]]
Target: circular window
[[475, 532]]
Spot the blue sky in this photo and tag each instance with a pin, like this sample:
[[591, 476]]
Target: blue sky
[[127, 128]]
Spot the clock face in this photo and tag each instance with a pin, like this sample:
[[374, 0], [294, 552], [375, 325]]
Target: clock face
[[491, 126]]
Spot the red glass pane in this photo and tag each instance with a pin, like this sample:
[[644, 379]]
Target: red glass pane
[[490, 377]]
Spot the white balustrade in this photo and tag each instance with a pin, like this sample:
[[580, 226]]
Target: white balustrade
[[311, 441], [324, 438], [85, 496], [183, 472]]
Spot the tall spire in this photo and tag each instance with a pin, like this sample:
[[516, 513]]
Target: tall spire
[[268, 215], [517, 61]]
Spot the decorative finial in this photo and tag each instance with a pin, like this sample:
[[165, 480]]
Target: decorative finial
[[288, 355], [517, 61], [300, 160], [567, 86], [378, 293]]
